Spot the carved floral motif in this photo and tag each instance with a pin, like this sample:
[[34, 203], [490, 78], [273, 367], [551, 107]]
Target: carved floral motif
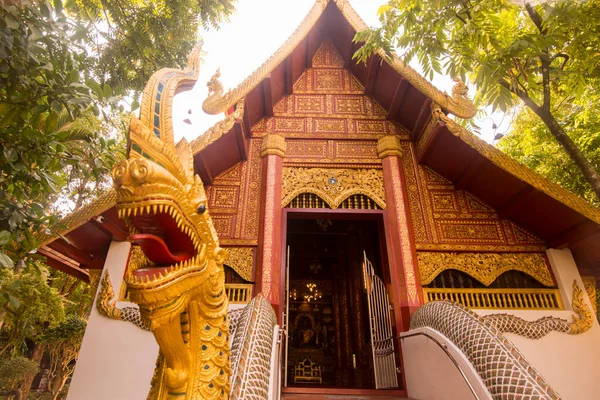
[[485, 267], [333, 185], [241, 260]]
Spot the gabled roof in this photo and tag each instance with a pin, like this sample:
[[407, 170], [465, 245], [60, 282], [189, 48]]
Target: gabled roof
[[553, 213], [218, 101]]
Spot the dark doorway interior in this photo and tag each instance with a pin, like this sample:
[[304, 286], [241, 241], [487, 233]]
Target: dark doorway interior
[[328, 311]]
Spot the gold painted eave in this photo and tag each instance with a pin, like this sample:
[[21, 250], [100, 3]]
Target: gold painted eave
[[79, 217], [218, 129], [218, 101], [522, 172]]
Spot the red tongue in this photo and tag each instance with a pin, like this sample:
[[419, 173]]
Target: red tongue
[[157, 251]]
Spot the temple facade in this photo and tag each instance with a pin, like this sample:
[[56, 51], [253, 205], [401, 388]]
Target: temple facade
[[400, 254]]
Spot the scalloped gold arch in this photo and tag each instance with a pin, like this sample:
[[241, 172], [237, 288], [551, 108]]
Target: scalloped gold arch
[[484, 267], [332, 206], [368, 182]]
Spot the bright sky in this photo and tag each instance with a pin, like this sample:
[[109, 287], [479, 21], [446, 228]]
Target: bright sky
[[253, 34]]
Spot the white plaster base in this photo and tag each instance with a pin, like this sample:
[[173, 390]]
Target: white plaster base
[[569, 363], [117, 359], [430, 373]]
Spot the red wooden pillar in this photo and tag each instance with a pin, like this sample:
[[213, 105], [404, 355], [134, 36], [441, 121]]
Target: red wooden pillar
[[406, 287], [269, 244]]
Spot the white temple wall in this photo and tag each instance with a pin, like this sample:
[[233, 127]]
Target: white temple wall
[[117, 359], [569, 363]]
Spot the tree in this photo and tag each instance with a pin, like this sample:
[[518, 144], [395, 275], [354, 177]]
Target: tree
[[62, 344], [12, 372], [544, 54], [531, 143], [30, 305], [62, 66]]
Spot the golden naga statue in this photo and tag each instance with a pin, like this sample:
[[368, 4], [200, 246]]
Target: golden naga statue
[[177, 278]]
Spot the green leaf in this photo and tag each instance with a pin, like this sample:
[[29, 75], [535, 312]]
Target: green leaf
[[51, 122], [107, 92], [10, 155], [11, 22], [4, 237], [40, 108], [5, 261], [14, 301]]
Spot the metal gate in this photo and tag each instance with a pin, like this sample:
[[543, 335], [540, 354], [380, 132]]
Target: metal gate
[[382, 338]]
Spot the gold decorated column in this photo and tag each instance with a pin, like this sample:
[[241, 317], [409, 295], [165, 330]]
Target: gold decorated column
[[406, 291], [269, 246]]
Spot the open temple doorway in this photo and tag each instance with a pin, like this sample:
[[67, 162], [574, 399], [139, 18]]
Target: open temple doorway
[[329, 342]]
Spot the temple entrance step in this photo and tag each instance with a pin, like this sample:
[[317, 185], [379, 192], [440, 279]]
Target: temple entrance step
[[331, 396]]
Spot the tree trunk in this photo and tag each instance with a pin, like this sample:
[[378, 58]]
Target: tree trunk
[[57, 383], [591, 175], [36, 355]]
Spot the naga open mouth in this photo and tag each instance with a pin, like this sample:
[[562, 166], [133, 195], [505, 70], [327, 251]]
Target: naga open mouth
[[166, 237]]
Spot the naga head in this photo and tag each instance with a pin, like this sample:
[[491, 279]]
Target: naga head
[[164, 207]]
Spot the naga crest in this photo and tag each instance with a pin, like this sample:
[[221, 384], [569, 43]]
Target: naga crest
[[175, 273]]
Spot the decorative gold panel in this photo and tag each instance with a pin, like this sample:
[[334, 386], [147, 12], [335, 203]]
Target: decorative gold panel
[[333, 185], [241, 260], [485, 267]]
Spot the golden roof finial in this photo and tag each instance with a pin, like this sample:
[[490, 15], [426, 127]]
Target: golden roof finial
[[214, 84]]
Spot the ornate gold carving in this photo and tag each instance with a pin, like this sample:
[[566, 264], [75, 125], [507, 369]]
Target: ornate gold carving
[[389, 146], [407, 253], [79, 217], [214, 83], [269, 228], [164, 207], [218, 101], [241, 259], [333, 185], [589, 282], [485, 267], [218, 129], [155, 111], [518, 170], [583, 318], [273, 144], [479, 247], [106, 299]]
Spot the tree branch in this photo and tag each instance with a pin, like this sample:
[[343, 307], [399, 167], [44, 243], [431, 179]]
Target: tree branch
[[564, 56], [521, 94], [536, 18]]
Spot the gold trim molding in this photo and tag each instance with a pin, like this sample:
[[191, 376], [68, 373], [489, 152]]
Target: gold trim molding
[[389, 146], [218, 129], [79, 217], [273, 144], [485, 267], [333, 185], [241, 260]]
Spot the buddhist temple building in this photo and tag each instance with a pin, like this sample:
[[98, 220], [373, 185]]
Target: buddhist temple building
[[347, 197]]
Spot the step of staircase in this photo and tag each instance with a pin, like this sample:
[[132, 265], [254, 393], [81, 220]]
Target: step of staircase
[[332, 396]]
